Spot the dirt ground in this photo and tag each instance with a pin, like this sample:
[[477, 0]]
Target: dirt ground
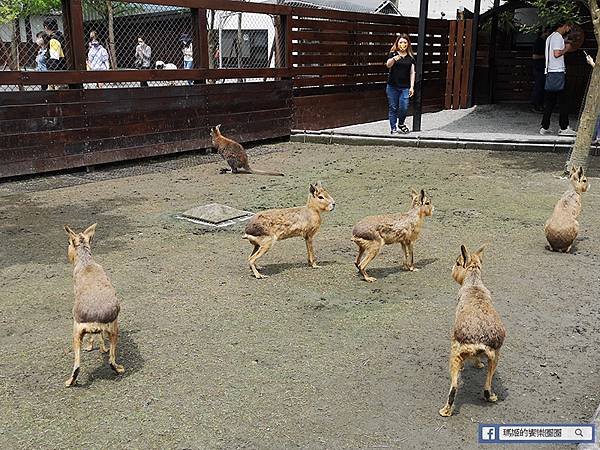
[[310, 358]]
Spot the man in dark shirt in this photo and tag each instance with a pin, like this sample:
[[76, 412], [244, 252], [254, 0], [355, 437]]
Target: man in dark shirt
[[56, 57], [539, 66]]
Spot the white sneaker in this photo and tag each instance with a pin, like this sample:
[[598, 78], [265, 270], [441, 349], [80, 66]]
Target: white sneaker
[[567, 132], [544, 131]]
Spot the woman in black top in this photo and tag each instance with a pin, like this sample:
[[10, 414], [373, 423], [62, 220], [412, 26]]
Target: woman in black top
[[401, 82]]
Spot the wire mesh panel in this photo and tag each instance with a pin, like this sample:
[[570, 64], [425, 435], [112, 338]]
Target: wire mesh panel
[[239, 40], [122, 35], [32, 43]]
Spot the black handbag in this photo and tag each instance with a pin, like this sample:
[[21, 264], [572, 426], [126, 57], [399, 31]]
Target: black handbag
[[555, 81]]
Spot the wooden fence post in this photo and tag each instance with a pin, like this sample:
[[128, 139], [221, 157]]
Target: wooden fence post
[[473, 56], [423, 12], [200, 40], [73, 25]]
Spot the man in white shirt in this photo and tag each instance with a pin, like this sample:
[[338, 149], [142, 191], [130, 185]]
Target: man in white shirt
[[555, 64]]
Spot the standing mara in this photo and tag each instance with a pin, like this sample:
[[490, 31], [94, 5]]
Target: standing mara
[[96, 304], [478, 329]]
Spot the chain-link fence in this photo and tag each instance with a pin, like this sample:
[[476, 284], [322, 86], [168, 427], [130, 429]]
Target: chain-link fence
[[122, 35], [33, 43]]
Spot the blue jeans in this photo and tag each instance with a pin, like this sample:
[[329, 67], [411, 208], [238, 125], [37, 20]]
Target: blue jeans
[[188, 65], [398, 105]]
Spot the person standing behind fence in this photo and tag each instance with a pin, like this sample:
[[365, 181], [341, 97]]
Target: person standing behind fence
[[143, 53], [97, 57], [188, 54], [401, 82], [56, 45], [539, 67], [42, 40], [556, 75]]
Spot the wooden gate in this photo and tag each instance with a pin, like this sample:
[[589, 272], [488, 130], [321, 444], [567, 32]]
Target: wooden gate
[[459, 64]]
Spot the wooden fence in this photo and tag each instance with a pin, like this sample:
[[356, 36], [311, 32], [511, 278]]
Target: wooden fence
[[330, 73], [459, 64], [339, 72]]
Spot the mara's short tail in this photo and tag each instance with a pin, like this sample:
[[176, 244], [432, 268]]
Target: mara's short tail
[[264, 172]]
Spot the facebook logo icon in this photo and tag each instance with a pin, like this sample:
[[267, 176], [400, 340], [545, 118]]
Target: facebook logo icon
[[487, 434]]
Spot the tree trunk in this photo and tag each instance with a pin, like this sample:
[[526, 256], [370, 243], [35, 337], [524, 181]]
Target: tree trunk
[[591, 109], [211, 40], [112, 49], [14, 45], [14, 48]]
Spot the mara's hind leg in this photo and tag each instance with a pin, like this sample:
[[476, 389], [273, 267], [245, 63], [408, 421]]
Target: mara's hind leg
[[456, 363], [361, 251], [101, 337], [90, 343], [493, 356], [264, 245], [113, 336], [312, 262], [372, 250], [77, 338]]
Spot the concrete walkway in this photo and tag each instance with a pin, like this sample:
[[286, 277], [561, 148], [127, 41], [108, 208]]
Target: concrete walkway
[[487, 127], [484, 123]]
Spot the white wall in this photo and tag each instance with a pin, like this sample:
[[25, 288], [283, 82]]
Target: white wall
[[250, 21], [36, 26]]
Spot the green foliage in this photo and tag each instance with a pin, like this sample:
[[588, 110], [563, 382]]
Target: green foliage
[[13, 9], [506, 22], [551, 12]]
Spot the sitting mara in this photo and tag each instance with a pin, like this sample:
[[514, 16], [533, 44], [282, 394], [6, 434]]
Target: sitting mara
[[562, 227]]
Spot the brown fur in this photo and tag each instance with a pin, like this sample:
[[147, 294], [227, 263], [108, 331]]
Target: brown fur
[[372, 233], [96, 305], [234, 154], [267, 227], [562, 227], [478, 328]]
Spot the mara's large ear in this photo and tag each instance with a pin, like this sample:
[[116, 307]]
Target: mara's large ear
[[312, 189], [479, 253], [89, 232], [422, 197], [572, 170], [413, 193], [580, 172], [465, 255], [318, 185], [218, 127], [70, 232]]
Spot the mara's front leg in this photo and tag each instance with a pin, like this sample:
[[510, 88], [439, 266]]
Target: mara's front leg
[[410, 260], [312, 262]]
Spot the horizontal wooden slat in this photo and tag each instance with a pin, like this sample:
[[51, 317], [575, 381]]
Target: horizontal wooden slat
[[119, 76], [339, 80], [310, 24]]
